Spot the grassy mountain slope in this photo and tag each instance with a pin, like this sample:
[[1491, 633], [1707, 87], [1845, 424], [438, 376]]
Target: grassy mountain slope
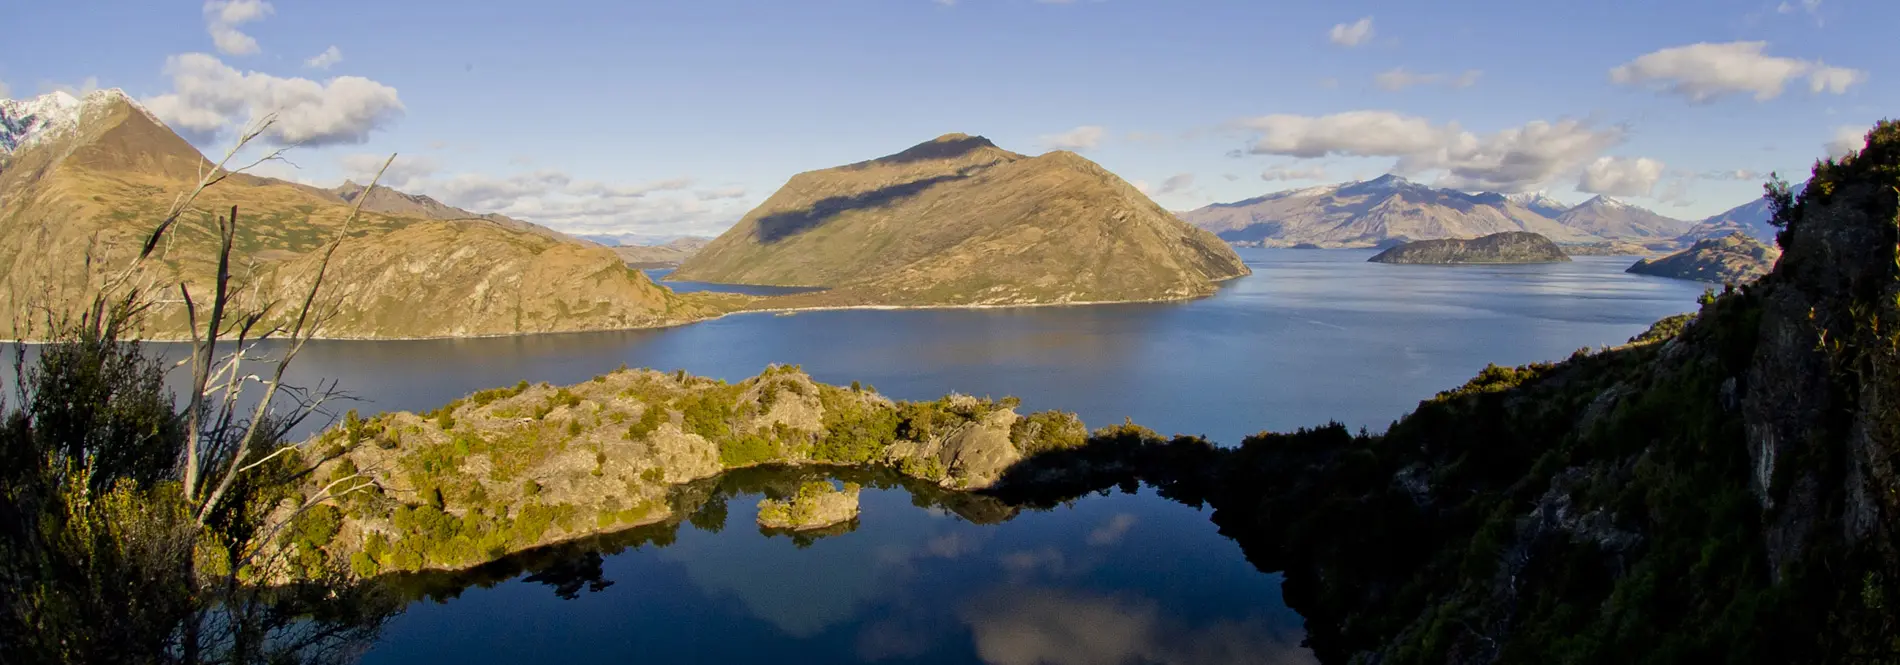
[[98, 192], [959, 221]]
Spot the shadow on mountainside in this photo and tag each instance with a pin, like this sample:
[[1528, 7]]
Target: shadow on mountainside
[[932, 151], [779, 226]]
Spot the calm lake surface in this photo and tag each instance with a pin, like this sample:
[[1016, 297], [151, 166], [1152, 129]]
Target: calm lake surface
[[1311, 336]]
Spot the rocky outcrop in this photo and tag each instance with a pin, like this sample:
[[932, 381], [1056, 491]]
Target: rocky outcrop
[[1730, 259], [1512, 247], [959, 221], [817, 505], [973, 455], [531, 465]]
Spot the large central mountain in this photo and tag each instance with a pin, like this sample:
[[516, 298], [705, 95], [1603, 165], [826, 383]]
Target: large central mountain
[[1375, 212], [959, 221], [1609, 218], [84, 181]]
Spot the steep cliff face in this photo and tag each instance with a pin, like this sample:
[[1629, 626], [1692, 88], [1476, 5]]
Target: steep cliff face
[[1723, 489]]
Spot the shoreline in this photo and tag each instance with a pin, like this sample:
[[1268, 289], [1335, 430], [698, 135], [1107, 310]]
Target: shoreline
[[764, 310]]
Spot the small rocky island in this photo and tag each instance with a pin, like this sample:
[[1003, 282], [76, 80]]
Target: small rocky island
[[1730, 259], [1507, 247], [817, 505]]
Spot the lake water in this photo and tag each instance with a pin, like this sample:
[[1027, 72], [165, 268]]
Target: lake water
[[1311, 336]]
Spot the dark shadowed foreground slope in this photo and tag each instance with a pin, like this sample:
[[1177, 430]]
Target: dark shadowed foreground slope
[[1721, 490]]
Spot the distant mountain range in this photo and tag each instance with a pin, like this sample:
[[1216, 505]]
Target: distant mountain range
[[1390, 209], [1749, 218], [670, 253], [1377, 212]]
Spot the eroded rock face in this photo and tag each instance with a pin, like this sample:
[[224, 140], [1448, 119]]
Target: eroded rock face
[[816, 506], [1819, 415], [974, 455]]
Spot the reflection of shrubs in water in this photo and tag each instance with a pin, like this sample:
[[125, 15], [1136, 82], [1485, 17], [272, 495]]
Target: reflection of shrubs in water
[[803, 538]]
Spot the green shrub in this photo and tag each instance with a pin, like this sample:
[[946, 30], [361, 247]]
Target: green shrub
[[651, 417], [1048, 430], [747, 450]]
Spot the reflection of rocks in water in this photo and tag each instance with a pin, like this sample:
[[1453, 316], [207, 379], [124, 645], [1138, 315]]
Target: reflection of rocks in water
[[567, 566], [804, 538], [569, 575]]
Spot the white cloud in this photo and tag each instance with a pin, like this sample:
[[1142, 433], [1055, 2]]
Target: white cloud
[[557, 200], [733, 192], [1284, 173], [1732, 174], [209, 98], [1231, 177], [1357, 133], [402, 173], [1516, 159], [324, 60], [4, 90], [1846, 139], [1705, 71], [1810, 7], [79, 89], [1400, 78], [1511, 160], [1086, 137], [1053, 626], [222, 18], [1176, 184], [1111, 532], [1834, 80], [1676, 193], [1351, 34], [635, 190], [1142, 186], [1621, 176]]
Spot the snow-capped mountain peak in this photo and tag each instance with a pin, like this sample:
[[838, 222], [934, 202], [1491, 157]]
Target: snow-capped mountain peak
[[1607, 202], [28, 122]]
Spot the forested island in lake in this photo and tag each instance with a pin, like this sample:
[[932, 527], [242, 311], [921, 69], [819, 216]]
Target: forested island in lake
[[1507, 247]]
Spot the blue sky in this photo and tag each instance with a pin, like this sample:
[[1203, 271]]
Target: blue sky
[[677, 117]]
